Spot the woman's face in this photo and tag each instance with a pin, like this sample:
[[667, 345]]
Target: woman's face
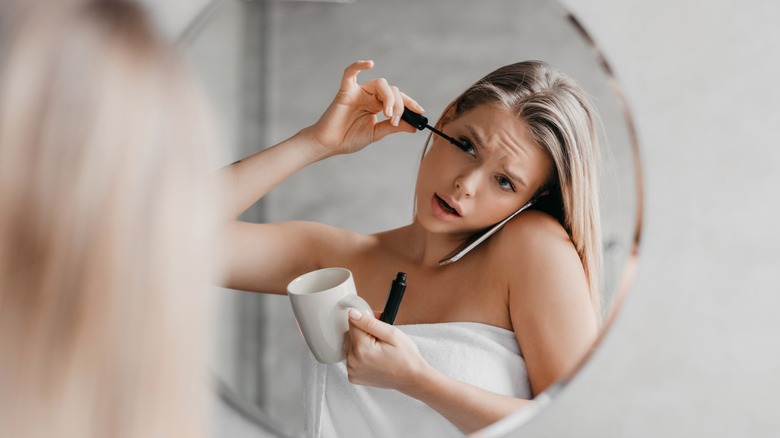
[[464, 190]]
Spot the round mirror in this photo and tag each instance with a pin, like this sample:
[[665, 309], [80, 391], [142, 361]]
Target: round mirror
[[271, 68]]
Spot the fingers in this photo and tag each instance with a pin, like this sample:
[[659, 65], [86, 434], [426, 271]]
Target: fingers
[[355, 337], [381, 95], [391, 99], [398, 106], [412, 104], [382, 92], [371, 326], [349, 78], [385, 128]]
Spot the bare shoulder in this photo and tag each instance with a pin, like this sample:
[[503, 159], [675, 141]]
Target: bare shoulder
[[549, 296], [535, 239], [540, 263]]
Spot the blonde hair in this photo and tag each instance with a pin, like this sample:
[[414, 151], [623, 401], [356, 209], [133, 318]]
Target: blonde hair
[[561, 120], [105, 219]]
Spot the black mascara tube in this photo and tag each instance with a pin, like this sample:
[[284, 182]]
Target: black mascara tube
[[394, 299], [420, 122]]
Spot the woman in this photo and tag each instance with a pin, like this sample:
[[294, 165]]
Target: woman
[[523, 132], [104, 150]]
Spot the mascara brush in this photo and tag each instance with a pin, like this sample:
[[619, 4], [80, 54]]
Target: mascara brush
[[420, 122]]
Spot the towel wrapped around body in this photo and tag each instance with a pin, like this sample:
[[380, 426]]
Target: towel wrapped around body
[[480, 354]]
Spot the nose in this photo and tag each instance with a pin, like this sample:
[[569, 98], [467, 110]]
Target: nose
[[466, 184]]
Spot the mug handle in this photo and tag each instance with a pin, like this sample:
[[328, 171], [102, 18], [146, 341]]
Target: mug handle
[[353, 300]]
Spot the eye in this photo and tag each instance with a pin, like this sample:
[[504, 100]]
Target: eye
[[505, 183], [466, 146]]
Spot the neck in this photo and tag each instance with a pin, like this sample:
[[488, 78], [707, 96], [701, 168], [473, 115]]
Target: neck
[[425, 248]]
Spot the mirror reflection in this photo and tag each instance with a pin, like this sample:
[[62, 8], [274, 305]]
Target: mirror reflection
[[272, 68]]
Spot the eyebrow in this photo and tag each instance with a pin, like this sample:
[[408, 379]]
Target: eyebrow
[[510, 174]]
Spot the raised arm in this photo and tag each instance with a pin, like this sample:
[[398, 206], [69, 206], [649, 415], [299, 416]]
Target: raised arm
[[262, 257], [348, 125]]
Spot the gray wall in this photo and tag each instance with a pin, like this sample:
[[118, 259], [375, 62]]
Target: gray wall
[[693, 352]]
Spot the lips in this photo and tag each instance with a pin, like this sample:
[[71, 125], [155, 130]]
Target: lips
[[444, 210], [446, 206]]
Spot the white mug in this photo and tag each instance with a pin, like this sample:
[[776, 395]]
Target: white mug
[[321, 300]]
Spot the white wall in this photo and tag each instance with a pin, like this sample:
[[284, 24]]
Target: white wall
[[694, 350], [173, 16]]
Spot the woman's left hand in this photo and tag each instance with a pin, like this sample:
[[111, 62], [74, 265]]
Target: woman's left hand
[[381, 355]]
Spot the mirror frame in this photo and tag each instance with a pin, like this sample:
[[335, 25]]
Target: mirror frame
[[513, 422]]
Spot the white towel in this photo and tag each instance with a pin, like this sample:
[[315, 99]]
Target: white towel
[[476, 353]]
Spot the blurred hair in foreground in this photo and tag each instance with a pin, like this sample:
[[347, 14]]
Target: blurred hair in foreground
[[106, 225]]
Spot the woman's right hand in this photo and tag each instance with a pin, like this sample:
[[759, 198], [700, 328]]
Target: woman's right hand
[[350, 123]]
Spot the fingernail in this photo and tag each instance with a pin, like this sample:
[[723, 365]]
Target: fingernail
[[355, 314], [396, 120]]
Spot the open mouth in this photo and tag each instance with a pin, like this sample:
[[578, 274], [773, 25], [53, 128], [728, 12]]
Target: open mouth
[[446, 207]]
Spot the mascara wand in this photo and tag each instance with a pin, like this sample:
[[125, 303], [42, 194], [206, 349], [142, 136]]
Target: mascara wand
[[420, 122]]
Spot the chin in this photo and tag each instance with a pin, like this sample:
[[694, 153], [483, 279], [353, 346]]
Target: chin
[[434, 225]]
